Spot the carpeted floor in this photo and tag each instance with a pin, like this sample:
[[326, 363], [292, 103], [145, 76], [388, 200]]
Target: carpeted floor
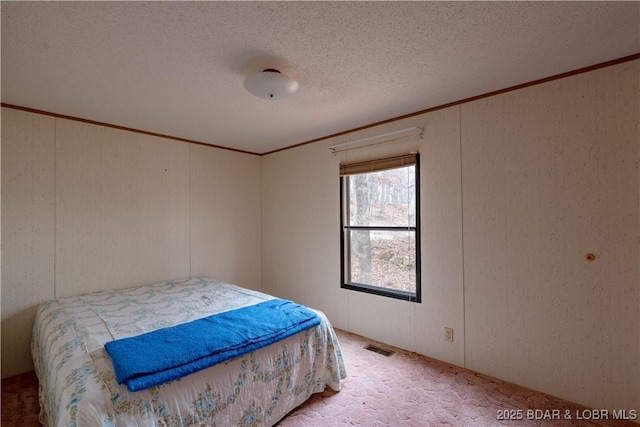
[[404, 389]]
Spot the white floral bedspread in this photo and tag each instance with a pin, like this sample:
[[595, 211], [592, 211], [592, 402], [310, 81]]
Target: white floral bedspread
[[78, 386]]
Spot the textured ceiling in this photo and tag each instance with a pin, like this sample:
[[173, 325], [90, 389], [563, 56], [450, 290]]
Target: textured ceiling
[[177, 68]]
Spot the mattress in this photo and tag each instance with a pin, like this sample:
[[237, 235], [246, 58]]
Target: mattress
[[78, 385]]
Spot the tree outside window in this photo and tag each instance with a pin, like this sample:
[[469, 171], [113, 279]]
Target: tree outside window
[[380, 248]]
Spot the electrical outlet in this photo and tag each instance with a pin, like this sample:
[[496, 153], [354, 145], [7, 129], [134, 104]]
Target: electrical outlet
[[448, 334]]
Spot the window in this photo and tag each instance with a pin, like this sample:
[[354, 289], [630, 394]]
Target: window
[[380, 227]]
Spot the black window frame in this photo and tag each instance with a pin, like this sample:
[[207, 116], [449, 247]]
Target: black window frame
[[345, 238]]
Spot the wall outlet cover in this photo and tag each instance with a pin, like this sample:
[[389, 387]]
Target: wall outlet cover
[[448, 334]]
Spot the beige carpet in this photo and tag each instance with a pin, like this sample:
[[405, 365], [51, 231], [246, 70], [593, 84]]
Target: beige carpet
[[407, 389], [404, 389]]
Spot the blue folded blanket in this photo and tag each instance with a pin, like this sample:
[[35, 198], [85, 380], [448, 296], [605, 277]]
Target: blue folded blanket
[[167, 354]]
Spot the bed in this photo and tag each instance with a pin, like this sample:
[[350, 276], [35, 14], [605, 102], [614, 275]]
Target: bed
[[78, 385]]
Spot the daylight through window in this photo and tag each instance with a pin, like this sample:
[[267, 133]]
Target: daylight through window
[[380, 227]]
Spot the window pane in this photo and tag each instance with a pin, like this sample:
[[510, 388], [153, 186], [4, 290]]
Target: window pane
[[385, 259], [385, 198]]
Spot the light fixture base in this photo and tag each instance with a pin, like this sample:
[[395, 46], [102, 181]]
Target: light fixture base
[[270, 84]]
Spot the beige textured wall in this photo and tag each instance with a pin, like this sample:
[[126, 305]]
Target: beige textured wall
[[28, 207], [122, 208], [225, 216], [550, 175], [88, 207], [516, 189]]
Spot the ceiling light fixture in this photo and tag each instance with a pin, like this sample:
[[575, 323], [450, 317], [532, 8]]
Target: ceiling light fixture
[[270, 84]]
